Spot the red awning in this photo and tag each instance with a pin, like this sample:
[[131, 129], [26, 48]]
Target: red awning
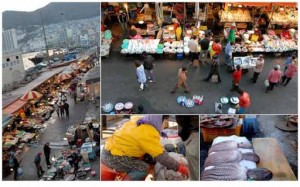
[[14, 107]]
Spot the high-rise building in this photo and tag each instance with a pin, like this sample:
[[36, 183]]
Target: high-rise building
[[9, 41]]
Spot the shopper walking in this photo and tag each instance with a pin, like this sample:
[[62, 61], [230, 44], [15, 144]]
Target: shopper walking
[[56, 108], [140, 74], [216, 48], [75, 97], [273, 78], [14, 164], [66, 108], [236, 77], [204, 44], [258, 68], [288, 61], [47, 152], [181, 80], [193, 47], [214, 69], [61, 109], [149, 65], [37, 162], [244, 101], [228, 53], [289, 73]]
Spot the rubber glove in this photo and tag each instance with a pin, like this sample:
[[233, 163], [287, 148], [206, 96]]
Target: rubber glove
[[183, 169], [164, 135]]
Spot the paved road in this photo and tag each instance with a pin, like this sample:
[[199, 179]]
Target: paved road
[[119, 84], [55, 132]]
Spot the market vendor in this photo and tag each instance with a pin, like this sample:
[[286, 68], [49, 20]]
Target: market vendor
[[125, 149], [133, 34], [285, 33], [256, 36], [232, 31]]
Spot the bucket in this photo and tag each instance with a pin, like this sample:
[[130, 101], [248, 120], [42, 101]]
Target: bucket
[[107, 174], [179, 56]]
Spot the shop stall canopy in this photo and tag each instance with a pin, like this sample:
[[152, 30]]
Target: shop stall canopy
[[14, 107]]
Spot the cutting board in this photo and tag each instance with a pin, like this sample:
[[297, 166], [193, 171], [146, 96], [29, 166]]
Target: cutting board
[[272, 158]]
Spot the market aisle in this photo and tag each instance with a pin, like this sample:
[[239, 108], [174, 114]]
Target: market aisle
[[118, 76], [55, 132]]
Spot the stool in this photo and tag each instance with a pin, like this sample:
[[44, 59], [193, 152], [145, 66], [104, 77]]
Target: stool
[[250, 124]]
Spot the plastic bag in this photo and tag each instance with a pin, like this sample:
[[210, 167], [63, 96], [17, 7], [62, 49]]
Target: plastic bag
[[267, 83], [214, 79], [20, 171], [142, 86]]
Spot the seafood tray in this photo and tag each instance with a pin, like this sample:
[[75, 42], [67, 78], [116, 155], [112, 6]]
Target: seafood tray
[[209, 134]]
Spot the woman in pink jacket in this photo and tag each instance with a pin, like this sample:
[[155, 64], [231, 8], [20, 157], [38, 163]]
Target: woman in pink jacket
[[289, 73], [274, 78]]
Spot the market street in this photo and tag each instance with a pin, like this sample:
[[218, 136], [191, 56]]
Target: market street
[[55, 132], [119, 84]]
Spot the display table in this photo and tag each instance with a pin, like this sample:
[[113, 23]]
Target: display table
[[137, 46], [272, 158]]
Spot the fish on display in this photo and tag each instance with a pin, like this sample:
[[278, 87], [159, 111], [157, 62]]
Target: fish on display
[[229, 145], [233, 171], [220, 157]]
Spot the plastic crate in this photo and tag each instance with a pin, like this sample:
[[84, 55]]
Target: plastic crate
[[209, 134]]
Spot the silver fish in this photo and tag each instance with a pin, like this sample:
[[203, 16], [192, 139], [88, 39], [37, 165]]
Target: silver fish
[[229, 145], [231, 156], [224, 172]]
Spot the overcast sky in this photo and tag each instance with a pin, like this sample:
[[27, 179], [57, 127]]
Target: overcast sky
[[23, 5]]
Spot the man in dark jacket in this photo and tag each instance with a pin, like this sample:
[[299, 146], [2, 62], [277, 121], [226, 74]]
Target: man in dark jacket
[[204, 44], [214, 69], [47, 151], [37, 162], [148, 65], [66, 108], [14, 164], [188, 130]]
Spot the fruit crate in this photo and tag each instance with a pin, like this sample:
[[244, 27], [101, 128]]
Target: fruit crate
[[209, 134]]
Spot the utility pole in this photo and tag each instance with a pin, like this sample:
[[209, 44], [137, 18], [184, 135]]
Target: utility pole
[[64, 33], [45, 38]]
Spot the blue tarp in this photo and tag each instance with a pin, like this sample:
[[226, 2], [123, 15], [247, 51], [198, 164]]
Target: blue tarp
[[6, 119]]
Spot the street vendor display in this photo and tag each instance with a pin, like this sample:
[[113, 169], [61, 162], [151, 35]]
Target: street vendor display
[[233, 158], [106, 39], [270, 43], [137, 46]]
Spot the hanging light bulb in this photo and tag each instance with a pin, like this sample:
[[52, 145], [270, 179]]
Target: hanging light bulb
[[240, 6], [281, 9]]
